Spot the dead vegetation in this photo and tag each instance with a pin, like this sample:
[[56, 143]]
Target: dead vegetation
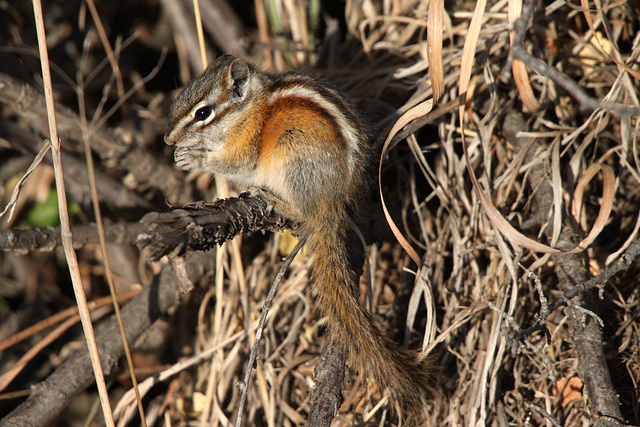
[[550, 132]]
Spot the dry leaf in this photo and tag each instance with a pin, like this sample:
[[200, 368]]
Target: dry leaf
[[572, 390]]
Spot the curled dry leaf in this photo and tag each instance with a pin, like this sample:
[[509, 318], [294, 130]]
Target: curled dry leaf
[[571, 390], [517, 238], [419, 110], [520, 74]]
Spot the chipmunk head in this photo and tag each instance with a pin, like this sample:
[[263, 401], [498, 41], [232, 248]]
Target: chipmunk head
[[209, 108]]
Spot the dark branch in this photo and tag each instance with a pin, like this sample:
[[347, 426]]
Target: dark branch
[[329, 374], [114, 149], [623, 264], [572, 276], [197, 226], [201, 225], [52, 395], [46, 239], [519, 52]]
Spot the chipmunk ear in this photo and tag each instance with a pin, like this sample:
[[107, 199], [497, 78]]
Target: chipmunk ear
[[238, 79]]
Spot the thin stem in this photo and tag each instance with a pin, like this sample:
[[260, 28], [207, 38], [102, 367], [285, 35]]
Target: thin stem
[[244, 385]]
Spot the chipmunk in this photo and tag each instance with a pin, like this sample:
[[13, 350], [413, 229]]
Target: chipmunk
[[302, 141]]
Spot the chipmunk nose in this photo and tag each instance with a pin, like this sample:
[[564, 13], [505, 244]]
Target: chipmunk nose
[[168, 139]]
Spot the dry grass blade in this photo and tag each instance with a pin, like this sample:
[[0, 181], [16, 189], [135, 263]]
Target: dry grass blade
[[17, 367], [421, 287], [606, 205], [465, 315], [203, 48], [632, 238], [71, 311], [517, 238], [107, 46], [64, 218], [556, 182], [434, 43], [370, 41], [520, 73], [468, 55], [16, 190], [416, 112]]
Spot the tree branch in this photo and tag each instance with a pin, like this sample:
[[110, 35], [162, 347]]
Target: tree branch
[[326, 397], [51, 396], [198, 226], [202, 225], [184, 231], [113, 147], [572, 280], [587, 103]]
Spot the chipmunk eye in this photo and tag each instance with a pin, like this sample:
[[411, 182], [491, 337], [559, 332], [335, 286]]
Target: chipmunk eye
[[203, 113]]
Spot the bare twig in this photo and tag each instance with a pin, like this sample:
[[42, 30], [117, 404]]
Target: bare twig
[[243, 386], [623, 264], [587, 103], [180, 270], [587, 336], [107, 46], [541, 411]]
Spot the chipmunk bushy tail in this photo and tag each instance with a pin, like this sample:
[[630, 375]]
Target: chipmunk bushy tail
[[411, 382]]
